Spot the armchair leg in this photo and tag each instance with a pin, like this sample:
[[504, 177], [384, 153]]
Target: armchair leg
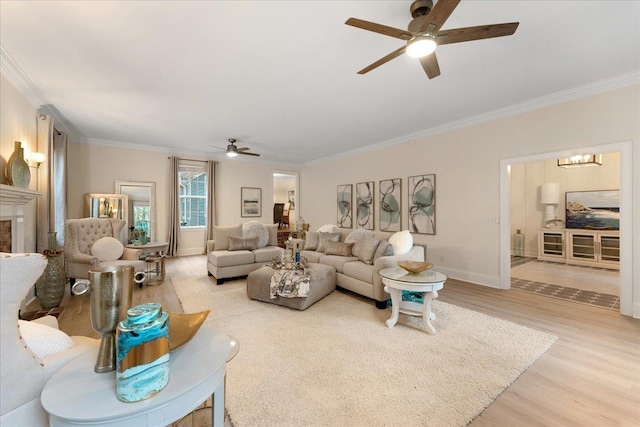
[[381, 305], [72, 281]]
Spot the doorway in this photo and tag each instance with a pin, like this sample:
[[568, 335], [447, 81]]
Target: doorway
[[624, 149], [286, 206]]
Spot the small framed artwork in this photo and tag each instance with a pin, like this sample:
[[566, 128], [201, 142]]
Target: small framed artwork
[[291, 197], [422, 204], [364, 205], [251, 202], [345, 214], [390, 204]]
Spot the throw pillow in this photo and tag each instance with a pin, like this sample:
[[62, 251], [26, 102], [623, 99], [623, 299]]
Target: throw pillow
[[402, 242], [368, 249], [328, 228], [107, 249], [221, 235], [338, 248], [326, 237], [358, 234], [273, 234], [43, 340], [256, 229], [384, 249], [243, 243], [311, 243]]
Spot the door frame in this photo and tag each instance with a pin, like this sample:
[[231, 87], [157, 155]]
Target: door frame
[[626, 211]]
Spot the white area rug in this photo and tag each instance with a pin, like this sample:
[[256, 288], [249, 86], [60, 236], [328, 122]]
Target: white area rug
[[337, 363]]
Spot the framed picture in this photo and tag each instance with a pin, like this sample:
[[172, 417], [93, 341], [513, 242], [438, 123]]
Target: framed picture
[[345, 214], [365, 193], [594, 210], [251, 201], [390, 204], [422, 204]]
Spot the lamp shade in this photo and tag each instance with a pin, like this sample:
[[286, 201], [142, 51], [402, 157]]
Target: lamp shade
[[550, 194]]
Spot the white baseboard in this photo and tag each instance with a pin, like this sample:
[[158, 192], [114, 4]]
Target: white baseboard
[[475, 278], [636, 310]]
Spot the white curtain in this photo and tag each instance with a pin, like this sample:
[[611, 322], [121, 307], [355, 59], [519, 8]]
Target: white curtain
[[58, 202], [211, 200], [44, 175]]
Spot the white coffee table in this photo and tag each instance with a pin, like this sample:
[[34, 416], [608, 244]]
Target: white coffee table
[[429, 282], [77, 396]]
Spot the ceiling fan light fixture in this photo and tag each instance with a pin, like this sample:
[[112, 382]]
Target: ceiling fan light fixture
[[421, 45], [232, 154]]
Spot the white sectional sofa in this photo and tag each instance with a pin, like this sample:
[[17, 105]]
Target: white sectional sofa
[[237, 250], [357, 267]]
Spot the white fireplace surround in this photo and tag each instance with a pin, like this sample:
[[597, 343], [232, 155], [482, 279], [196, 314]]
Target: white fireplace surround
[[12, 203]]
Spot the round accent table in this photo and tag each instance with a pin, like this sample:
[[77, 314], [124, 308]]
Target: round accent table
[[429, 282], [77, 396]]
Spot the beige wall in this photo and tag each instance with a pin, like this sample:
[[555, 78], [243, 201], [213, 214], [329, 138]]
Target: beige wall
[[467, 167], [18, 122], [527, 214]]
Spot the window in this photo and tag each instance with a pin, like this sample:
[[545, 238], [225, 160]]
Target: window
[[193, 196]]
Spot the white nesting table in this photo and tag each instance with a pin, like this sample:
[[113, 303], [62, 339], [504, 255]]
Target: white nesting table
[[151, 248], [77, 396], [429, 282]]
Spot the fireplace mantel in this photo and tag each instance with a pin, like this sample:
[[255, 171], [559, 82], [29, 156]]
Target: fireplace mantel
[[10, 195], [12, 206]]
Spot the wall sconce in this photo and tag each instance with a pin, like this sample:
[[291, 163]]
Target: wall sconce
[[550, 197], [581, 160], [37, 159]]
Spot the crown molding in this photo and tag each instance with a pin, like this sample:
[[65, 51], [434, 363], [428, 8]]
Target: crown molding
[[590, 89], [10, 69]]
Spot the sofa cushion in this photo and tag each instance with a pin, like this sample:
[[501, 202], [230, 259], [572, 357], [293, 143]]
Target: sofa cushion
[[273, 234], [359, 270], [221, 235], [44, 340], [336, 261], [107, 249], [243, 243], [338, 248], [228, 258], [311, 256], [324, 238], [267, 253], [328, 228], [367, 249], [256, 229], [311, 243], [384, 249], [357, 235], [402, 242]]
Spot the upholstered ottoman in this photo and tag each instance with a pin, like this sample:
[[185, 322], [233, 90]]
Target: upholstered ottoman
[[322, 281]]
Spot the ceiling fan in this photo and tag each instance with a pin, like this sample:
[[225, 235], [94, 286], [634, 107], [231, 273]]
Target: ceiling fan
[[423, 34], [232, 150]]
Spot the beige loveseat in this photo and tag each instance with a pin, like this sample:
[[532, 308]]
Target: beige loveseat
[[359, 273], [237, 250]]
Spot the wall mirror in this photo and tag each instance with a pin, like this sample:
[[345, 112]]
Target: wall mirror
[[141, 212], [105, 205]]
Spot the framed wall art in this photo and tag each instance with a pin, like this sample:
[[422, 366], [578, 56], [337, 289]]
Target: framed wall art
[[594, 210], [422, 204], [390, 204], [365, 193], [251, 202], [344, 200]]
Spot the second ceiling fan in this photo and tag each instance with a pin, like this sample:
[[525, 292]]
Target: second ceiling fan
[[423, 34], [232, 150]]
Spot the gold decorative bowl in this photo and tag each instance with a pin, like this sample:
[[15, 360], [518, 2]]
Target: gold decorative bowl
[[182, 327], [414, 267]]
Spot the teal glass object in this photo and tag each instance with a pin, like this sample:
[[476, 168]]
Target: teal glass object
[[142, 353]]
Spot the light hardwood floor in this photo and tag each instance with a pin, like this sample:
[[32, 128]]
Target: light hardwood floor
[[589, 377]]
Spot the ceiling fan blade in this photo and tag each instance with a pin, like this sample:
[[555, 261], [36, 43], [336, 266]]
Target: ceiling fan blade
[[247, 153], [243, 149], [458, 35], [384, 60], [430, 65], [438, 15], [380, 29]]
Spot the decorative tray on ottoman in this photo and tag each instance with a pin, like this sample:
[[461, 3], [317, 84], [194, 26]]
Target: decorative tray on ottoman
[[415, 267]]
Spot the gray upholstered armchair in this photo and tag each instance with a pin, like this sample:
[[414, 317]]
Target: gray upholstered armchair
[[80, 236]]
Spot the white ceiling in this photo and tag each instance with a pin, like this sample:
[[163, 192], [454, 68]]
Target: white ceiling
[[281, 76]]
